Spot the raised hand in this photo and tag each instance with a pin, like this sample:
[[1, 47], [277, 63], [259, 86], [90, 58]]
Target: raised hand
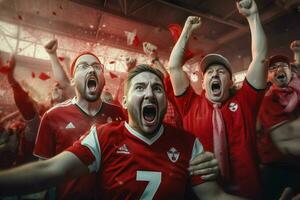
[[150, 50], [295, 46], [51, 46], [192, 23], [11, 65], [246, 7], [130, 62], [205, 165]]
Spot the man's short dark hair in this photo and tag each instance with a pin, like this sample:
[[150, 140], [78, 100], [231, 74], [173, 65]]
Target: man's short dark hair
[[140, 69]]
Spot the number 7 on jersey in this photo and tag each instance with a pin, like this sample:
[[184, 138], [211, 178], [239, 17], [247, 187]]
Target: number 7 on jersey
[[154, 179]]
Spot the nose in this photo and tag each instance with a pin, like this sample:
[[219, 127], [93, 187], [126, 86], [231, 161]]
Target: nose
[[91, 69], [148, 92], [214, 73]]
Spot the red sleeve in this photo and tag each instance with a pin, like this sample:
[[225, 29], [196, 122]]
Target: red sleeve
[[82, 152], [183, 102], [45, 141], [24, 102], [251, 96]]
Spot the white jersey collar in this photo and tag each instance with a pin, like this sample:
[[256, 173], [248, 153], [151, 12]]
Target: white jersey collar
[[74, 101], [143, 138]]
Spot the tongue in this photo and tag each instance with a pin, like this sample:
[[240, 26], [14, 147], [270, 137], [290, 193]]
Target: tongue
[[149, 114], [216, 91], [92, 86], [149, 118]]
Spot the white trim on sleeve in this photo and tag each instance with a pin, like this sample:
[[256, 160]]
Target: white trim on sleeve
[[197, 149], [91, 141]]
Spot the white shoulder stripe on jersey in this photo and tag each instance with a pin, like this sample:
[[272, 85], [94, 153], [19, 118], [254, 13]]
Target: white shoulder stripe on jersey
[[197, 149], [91, 142], [63, 104]]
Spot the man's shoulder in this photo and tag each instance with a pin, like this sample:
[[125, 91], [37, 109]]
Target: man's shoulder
[[109, 128], [178, 133], [61, 108], [112, 106]]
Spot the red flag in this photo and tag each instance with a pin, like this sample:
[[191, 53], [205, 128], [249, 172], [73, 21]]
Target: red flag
[[32, 74], [61, 58], [188, 55], [4, 69], [175, 30], [43, 76], [136, 41], [112, 75], [112, 62]]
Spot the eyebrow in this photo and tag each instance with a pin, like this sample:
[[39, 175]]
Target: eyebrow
[[84, 62]]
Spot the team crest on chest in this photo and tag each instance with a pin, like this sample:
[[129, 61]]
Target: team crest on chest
[[109, 120], [173, 154], [233, 106]]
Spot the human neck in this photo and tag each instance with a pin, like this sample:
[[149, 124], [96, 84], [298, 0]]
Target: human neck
[[138, 130], [90, 108]]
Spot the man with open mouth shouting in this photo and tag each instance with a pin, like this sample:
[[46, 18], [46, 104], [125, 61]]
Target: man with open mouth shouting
[[138, 159], [225, 122], [278, 125], [65, 123]]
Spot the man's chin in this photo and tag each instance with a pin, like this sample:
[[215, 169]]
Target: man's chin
[[92, 98], [215, 99]]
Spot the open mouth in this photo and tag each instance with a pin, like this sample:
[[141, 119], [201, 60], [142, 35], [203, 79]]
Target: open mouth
[[149, 113], [281, 77], [92, 84], [216, 87]]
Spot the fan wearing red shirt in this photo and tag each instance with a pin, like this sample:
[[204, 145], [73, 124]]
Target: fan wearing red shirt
[[278, 143], [65, 123], [141, 159], [224, 121]]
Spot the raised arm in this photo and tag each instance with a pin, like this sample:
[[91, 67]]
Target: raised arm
[[211, 190], [287, 138], [295, 47], [23, 100], [59, 73], [257, 71], [179, 79], [41, 175], [151, 51]]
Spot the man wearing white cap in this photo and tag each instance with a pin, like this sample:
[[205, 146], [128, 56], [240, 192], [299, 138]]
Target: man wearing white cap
[[225, 122]]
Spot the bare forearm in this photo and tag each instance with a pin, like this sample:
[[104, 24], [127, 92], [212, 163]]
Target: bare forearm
[[58, 72], [41, 175], [177, 54], [258, 41], [257, 72], [28, 178], [297, 57], [24, 102], [210, 190]]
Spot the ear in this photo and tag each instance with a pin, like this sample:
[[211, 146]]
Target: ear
[[124, 102], [72, 82], [231, 82]]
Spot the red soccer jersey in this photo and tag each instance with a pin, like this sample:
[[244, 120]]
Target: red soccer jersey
[[131, 166], [272, 115], [172, 115], [60, 127], [239, 113]]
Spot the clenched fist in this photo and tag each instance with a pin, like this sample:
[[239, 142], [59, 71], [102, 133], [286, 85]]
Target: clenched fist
[[193, 22], [150, 50], [246, 7], [51, 46], [295, 46]]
